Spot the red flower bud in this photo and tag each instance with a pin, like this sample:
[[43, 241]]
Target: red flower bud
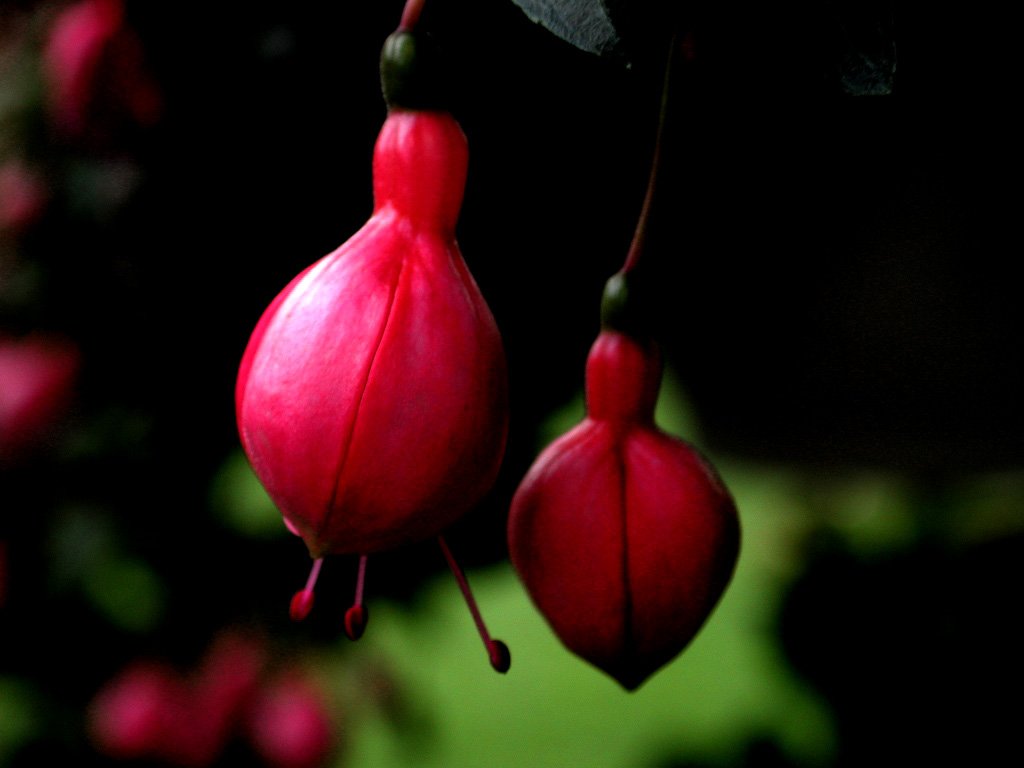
[[372, 395], [624, 537], [372, 398]]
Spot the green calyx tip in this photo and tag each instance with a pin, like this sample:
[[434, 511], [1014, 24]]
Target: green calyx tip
[[411, 73], [622, 308]]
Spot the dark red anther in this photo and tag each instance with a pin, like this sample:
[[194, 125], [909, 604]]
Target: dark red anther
[[302, 601], [355, 621], [501, 659]]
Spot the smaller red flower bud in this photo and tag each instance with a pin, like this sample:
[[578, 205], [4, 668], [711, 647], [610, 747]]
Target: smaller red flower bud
[[289, 724], [623, 535]]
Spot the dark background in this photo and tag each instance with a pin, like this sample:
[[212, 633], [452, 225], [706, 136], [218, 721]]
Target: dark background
[[834, 289]]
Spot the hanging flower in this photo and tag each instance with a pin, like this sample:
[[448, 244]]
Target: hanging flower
[[623, 535], [372, 397]]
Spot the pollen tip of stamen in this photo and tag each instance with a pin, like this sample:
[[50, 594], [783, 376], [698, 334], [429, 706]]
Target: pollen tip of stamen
[[301, 605], [501, 658], [355, 621]]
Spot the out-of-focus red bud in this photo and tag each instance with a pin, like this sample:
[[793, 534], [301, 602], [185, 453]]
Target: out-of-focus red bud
[[290, 726], [218, 694], [37, 378], [94, 71], [150, 711], [23, 196], [133, 716], [624, 537], [372, 397]]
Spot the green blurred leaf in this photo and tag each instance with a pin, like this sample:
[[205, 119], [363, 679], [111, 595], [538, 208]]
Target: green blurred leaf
[[128, 592], [19, 716], [241, 503]]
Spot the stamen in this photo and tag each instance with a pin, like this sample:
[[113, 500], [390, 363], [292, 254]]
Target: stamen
[[357, 615], [497, 651], [302, 601]]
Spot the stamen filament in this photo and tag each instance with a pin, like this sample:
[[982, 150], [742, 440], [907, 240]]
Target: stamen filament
[[497, 651]]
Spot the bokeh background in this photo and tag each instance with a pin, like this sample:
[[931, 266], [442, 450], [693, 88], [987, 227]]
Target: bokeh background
[[835, 301]]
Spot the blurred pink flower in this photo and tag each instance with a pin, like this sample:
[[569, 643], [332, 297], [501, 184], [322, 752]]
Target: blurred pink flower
[[23, 195], [94, 73], [289, 724], [150, 711], [133, 716], [37, 378]]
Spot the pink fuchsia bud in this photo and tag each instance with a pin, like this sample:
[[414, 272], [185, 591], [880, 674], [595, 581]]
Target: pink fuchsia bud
[[623, 535], [289, 724], [372, 396], [37, 377], [93, 65]]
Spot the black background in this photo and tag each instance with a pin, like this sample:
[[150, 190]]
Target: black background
[[835, 289]]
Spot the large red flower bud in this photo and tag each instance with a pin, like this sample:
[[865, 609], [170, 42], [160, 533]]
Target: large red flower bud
[[623, 535], [372, 397]]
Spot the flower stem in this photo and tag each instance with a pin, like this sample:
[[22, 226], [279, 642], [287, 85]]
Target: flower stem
[[497, 651], [411, 15], [639, 243]]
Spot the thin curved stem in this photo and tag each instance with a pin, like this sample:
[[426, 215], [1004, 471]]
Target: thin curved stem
[[639, 243], [497, 651]]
